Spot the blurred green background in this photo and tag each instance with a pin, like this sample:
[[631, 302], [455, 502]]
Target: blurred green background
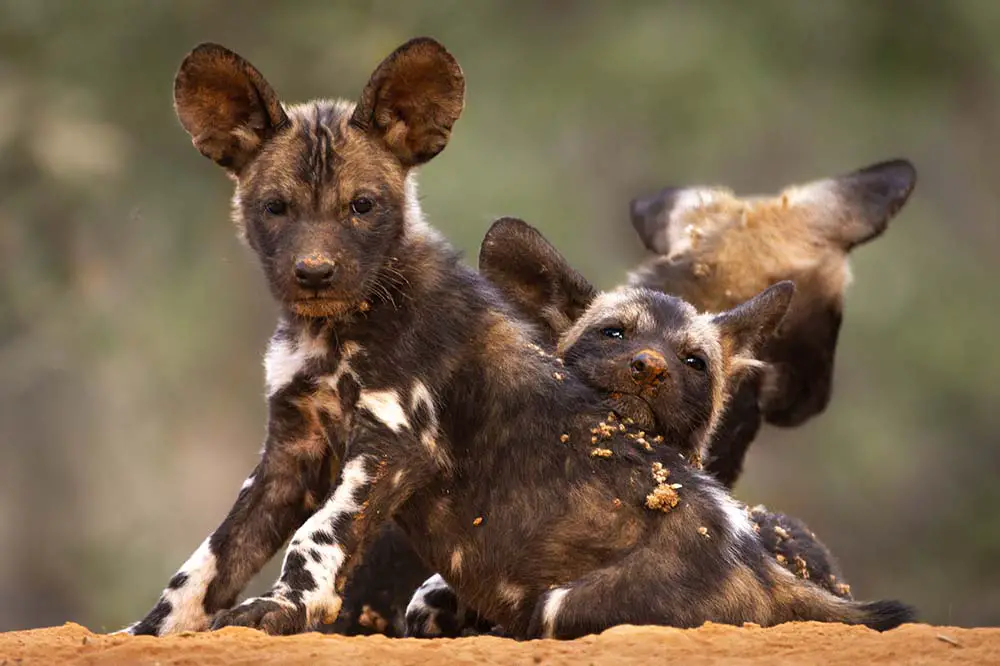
[[132, 322]]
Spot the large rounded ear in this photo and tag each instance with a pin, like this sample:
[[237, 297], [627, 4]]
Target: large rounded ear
[[867, 199], [534, 276], [877, 193], [412, 100], [226, 106], [747, 328]]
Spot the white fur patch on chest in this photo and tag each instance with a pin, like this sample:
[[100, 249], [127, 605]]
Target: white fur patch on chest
[[285, 358]]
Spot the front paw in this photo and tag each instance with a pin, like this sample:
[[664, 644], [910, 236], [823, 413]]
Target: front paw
[[155, 622], [278, 618], [130, 630]]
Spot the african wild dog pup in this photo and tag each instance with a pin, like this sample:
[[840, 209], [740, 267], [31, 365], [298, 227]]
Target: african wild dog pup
[[645, 384], [715, 250], [546, 290], [405, 375]]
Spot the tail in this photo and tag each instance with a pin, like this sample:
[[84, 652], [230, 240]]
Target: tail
[[884, 615], [801, 600]]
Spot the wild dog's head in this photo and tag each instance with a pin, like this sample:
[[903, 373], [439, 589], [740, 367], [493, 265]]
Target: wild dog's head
[[660, 361], [716, 250], [324, 190]]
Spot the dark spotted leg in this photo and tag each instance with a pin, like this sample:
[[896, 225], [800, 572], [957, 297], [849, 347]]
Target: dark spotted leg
[[291, 477], [434, 611], [317, 560]]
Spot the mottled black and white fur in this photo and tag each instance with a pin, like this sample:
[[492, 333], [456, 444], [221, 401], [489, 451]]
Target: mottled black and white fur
[[547, 291], [401, 386]]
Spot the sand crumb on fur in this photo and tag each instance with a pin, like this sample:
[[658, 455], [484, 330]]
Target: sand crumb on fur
[[792, 643], [664, 496]]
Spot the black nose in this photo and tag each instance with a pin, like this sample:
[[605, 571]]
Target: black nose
[[313, 274], [648, 367]]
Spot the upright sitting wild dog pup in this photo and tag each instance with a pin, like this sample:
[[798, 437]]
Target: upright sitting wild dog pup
[[716, 250], [408, 375], [646, 385]]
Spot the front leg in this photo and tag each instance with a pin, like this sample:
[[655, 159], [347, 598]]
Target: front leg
[[283, 490], [374, 483]]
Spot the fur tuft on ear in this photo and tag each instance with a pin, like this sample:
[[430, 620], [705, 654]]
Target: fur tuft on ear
[[226, 105], [747, 328], [534, 276], [412, 100]]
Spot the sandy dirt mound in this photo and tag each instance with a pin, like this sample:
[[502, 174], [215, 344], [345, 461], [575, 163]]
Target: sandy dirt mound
[[800, 643]]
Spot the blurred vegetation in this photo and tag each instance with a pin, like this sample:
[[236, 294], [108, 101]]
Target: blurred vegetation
[[132, 322]]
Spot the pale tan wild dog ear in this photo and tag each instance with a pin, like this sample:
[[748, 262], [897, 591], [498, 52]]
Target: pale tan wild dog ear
[[412, 100], [226, 105], [746, 328], [534, 276], [868, 198]]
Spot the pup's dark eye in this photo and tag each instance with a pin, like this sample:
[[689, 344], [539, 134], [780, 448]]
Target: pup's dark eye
[[275, 207], [362, 205], [613, 332], [696, 362]]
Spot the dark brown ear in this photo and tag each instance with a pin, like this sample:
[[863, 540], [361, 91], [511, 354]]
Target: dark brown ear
[[651, 219], [412, 100], [873, 195], [533, 276], [226, 106], [747, 328]]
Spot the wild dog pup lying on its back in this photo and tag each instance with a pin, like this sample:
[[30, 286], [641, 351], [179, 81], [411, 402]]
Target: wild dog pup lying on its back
[[644, 350], [716, 250], [408, 376]]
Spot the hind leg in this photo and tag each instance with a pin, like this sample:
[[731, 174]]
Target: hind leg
[[589, 606], [644, 588]]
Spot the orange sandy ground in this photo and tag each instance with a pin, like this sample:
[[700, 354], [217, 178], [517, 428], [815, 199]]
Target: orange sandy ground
[[799, 643]]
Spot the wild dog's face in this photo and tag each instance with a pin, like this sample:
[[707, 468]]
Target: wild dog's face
[[324, 194], [662, 363], [716, 250]]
